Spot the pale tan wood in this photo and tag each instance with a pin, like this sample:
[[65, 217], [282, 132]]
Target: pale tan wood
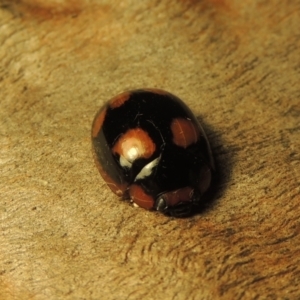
[[63, 234]]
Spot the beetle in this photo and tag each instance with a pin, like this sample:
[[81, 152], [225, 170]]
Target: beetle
[[150, 148]]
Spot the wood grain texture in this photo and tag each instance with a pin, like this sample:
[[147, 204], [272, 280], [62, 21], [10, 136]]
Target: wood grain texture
[[63, 234]]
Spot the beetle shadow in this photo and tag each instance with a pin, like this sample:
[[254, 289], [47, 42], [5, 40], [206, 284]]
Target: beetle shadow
[[224, 162]]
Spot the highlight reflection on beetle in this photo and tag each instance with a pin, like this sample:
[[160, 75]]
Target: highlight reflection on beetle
[[150, 148]]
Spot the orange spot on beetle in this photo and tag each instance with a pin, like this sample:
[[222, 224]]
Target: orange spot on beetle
[[138, 196], [119, 100], [134, 144], [184, 132], [98, 121], [177, 196]]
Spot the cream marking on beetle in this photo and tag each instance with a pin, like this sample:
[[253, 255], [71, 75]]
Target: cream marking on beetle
[[133, 152], [147, 170], [124, 162]]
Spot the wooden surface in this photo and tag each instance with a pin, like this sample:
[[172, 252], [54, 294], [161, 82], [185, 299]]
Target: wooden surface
[[63, 234]]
